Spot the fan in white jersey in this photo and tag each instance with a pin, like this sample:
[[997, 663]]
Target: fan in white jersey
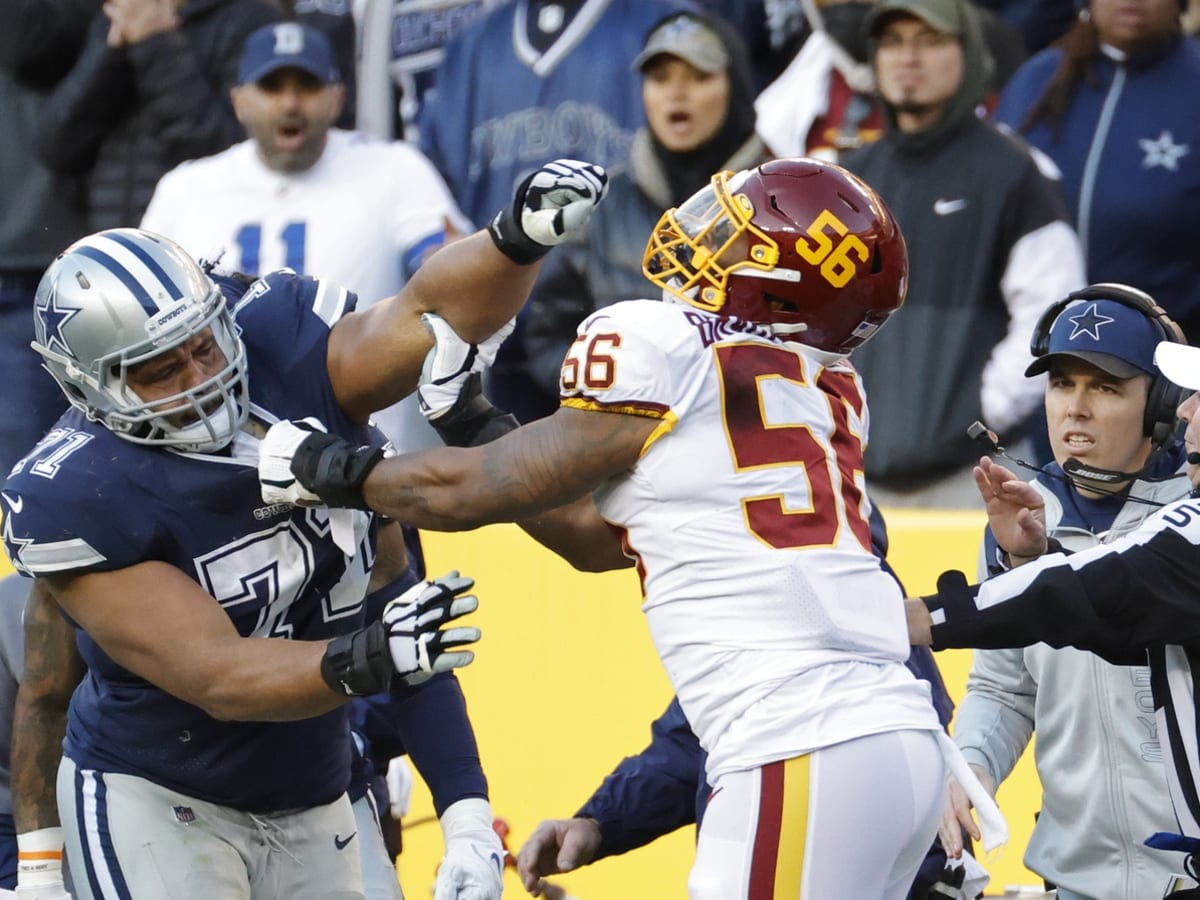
[[721, 435], [303, 195]]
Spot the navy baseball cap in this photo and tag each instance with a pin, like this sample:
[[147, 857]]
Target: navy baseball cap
[[1109, 335], [287, 45]]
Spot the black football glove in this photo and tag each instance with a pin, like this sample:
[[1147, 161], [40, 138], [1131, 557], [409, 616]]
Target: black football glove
[[299, 463]]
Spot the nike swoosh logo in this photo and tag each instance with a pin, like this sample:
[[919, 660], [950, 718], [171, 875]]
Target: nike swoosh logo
[[946, 207], [339, 843], [493, 857], [15, 503]]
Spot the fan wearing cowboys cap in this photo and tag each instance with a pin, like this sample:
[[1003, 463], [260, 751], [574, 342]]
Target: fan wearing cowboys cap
[[1109, 411]]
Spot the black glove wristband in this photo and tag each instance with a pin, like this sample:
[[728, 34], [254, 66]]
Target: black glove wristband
[[334, 469], [359, 664], [472, 420], [508, 235]]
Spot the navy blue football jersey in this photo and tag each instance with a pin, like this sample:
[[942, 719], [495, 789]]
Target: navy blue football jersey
[[85, 500]]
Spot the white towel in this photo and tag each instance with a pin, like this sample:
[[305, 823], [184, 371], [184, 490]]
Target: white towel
[[991, 821]]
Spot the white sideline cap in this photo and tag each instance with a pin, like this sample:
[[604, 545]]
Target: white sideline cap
[[1180, 363]]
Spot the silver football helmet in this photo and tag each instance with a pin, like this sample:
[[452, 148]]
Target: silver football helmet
[[118, 298]]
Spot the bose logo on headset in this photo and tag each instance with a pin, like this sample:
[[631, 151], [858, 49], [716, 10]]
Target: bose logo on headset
[[1158, 421]]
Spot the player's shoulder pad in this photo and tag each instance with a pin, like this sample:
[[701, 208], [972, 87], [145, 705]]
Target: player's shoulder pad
[[646, 327], [328, 300]]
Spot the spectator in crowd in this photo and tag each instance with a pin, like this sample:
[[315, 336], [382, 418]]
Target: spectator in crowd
[[40, 213], [403, 43], [823, 103], [149, 90], [699, 120], [806, 714], [335, 19], [1111, 418], [215, 714], [278, 198], [1114, 106], [534, 80], [990, 250], [1131, 600]]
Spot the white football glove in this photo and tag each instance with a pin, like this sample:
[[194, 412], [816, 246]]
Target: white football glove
[[560, 199], [451, 362], [414, 621], [473, 867], [278, 483]]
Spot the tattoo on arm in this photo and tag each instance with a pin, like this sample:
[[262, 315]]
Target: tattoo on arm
[[52, 670], [537, 467]]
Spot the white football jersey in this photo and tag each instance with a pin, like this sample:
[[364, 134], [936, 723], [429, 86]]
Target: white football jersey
[[364, 216], [779, 629]]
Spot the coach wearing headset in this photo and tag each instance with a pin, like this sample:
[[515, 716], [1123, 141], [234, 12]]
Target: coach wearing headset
[[1111, 419]]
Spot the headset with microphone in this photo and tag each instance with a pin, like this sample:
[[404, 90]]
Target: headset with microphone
[[1158, 421]]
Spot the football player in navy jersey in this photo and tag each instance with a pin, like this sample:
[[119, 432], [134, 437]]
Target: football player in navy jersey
[[206, 751]]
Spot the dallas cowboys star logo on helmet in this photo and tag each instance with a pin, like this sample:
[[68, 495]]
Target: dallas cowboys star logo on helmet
[[53, 318], [1088, 322]]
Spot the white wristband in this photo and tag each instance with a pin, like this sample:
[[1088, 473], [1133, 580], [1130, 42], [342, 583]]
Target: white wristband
[[466, 815], [40, 857]]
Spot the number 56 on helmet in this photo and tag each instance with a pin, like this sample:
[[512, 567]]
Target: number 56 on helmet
[[800, 245]]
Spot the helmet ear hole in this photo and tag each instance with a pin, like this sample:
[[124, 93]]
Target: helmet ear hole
[[780, 304]]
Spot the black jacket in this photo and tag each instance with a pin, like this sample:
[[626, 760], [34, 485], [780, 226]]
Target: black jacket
[[123, 117], [40, 212], [924, 372]]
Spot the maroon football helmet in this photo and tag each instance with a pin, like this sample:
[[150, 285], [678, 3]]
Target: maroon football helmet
[[798, 244]]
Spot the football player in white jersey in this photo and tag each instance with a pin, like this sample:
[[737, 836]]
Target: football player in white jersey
[[301, 194], [721, 434]]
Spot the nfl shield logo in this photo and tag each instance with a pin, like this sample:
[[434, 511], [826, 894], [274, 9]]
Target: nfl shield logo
[[184, 814]]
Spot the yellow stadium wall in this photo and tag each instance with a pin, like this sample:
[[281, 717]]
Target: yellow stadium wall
[[566, 683]]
